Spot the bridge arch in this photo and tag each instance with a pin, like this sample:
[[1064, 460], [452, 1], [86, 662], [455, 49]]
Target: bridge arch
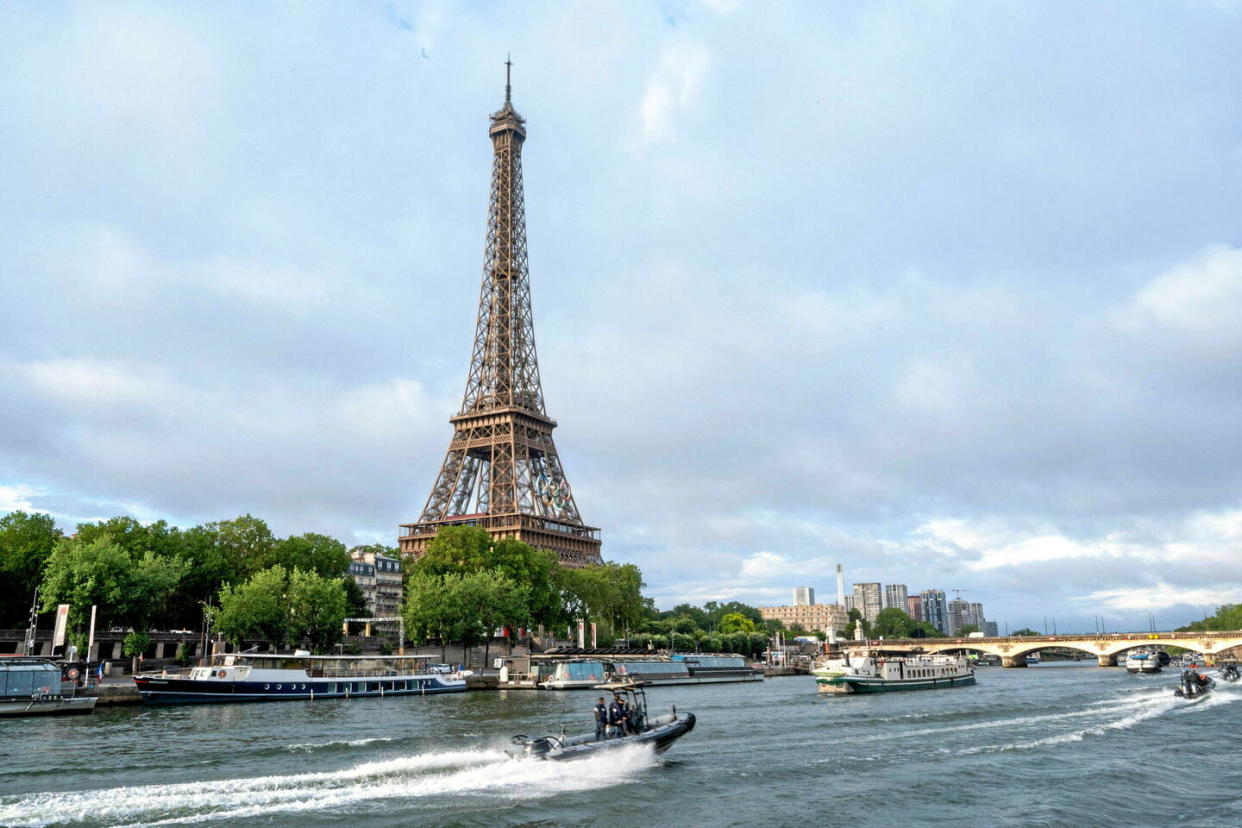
[[1105, 647]]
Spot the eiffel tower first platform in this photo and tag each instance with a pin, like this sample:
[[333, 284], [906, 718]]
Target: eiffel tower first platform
[[502, 472]]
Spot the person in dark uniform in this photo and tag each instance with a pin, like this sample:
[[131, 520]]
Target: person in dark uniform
[[601, 718], [616, 718]]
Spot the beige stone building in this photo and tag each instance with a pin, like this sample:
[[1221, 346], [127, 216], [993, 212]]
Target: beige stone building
[[811, 616], [380, 578]]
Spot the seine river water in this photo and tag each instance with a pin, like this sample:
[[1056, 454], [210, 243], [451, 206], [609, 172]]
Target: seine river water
[[1048, 745]]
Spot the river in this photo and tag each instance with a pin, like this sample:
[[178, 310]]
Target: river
[[1049, 745]]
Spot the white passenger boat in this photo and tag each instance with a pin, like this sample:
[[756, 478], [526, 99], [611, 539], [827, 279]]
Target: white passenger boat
[[878, 672], [1152, 662], [246, 677], [678, 668]]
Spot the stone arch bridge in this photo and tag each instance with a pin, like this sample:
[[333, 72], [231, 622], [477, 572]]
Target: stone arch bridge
[[1013, 650]]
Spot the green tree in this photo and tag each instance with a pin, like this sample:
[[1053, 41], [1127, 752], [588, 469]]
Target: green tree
[[1025, 631], [428, 609], [893, 623], [1226, 617], [130, 588], [255, 609], [26, 542], [316, 609], [243, 546], [312, 552], [716, 612], [135, 643], [461, 550], [484, 601], [355, 599], [735, 622]]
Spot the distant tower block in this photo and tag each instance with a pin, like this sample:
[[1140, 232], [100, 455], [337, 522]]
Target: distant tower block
[[803, 596], [502, 472], [840, 586]]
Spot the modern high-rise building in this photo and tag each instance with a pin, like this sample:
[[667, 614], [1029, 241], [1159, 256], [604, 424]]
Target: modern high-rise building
[[963, 613], [935, 609], [803, 596], [990, 629], [914, 607], [868, 600], [841, 587], [895, 596]]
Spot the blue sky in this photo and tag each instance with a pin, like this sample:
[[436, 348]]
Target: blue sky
[[950, 293]]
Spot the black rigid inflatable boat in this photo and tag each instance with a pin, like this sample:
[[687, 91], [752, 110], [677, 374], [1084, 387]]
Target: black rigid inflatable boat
[[660, 732]]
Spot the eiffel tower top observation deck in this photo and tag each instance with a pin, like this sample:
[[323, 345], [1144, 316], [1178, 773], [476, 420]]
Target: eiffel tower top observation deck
[[501, 471]]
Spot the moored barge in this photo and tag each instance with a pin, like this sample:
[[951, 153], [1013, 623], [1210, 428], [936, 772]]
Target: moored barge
[[267, 677]]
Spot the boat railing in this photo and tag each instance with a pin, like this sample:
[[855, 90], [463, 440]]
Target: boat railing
[[363, 673]]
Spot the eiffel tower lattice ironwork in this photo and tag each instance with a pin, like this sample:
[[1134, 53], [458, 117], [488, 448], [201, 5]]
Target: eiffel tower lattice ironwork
[[502, 471]]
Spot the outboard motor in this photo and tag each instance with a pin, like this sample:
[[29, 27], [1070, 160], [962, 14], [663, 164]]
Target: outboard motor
[[538, 747], [524, 748]]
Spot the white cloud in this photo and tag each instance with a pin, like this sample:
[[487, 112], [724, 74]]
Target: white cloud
[[86, 384], [673, 89], [1157, 597], [1200, 299], [17, 498]]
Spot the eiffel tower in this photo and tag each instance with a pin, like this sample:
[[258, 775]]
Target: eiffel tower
[[502, 472]]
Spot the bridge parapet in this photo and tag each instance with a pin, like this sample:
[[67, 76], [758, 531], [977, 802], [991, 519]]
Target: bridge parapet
[[1013, 650]]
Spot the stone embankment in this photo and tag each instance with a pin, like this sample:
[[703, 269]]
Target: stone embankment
[[117, 691]]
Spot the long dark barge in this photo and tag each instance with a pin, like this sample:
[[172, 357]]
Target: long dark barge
[[243, 677]]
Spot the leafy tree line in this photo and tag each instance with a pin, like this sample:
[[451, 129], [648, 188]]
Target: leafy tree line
[[157, 576], [1227, 617], [469, 584]]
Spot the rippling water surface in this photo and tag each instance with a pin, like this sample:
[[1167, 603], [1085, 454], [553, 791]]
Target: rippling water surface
[[1049, 745]]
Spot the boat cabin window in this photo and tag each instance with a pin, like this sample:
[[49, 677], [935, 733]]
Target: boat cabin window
[[581, 671]]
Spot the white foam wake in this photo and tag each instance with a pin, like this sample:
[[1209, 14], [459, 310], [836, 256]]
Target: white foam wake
[[412, 777], [307, 747], [1137, 710]]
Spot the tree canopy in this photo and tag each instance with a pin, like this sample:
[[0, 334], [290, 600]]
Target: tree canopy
[[26, 542], [1226, 617], [283, 606]]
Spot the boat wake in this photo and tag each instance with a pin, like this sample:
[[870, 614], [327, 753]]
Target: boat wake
[[427, 776], [308, 747], [1133, 711]]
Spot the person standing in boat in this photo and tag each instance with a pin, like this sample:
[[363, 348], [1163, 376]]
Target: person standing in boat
[[616, 718], [601, 719]]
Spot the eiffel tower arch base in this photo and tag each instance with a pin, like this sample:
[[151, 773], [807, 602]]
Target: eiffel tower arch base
[[575, 546]]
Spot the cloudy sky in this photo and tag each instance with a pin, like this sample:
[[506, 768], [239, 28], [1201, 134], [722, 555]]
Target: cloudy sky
[[949, 293]]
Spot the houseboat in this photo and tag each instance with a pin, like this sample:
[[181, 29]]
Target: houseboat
[[267, 677], [33, 686], [710, 668], [678, 668], [880, 672]]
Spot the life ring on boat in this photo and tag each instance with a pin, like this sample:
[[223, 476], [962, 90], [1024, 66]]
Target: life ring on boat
[[220, 674], [72, 673]]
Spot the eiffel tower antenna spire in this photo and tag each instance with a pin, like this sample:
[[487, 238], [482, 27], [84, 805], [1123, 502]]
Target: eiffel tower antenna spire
[[502, 471]]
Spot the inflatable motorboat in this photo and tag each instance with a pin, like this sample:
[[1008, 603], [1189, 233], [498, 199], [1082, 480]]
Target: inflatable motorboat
[[1194, 685], [660, 732]]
